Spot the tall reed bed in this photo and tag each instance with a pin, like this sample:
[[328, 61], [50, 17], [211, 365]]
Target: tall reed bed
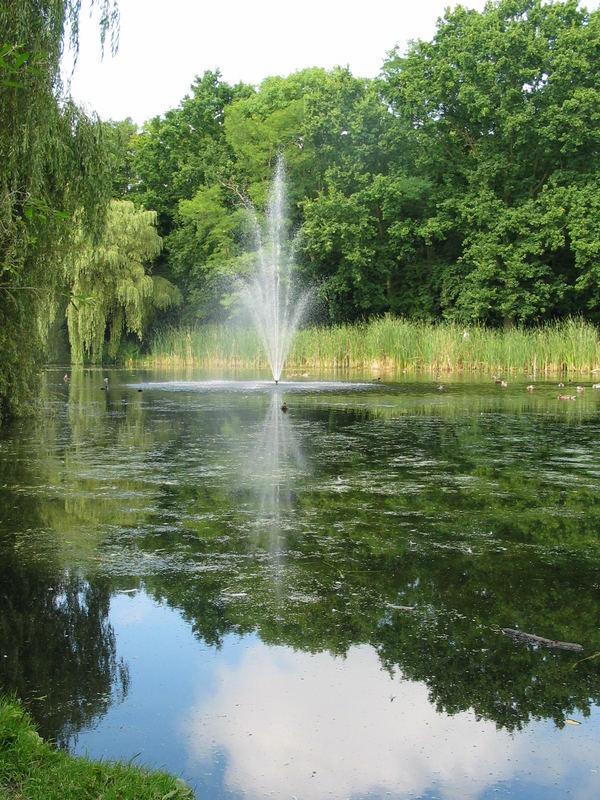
[[206, 345], [394, 344]]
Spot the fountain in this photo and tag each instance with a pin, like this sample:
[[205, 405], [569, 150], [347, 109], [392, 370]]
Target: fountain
[[269, 295], [275, 305]]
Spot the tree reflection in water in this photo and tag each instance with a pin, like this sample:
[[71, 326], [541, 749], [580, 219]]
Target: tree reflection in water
[[315, 529], [58, 648]]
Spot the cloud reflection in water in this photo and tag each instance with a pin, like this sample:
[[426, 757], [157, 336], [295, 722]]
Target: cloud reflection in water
[[319, 726]]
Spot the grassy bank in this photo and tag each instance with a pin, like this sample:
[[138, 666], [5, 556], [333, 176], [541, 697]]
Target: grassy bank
[[390, 344], [30, 769]]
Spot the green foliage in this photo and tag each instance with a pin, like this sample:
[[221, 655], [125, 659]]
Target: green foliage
[[462, 184], [392, 343], [178, 153], [268, 123], [53, 164], [505, 108], [366, 248], [120, 139], [206, 250], [30, 769], [110, 285]]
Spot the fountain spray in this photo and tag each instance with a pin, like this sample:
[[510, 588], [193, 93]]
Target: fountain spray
[[275, 308]]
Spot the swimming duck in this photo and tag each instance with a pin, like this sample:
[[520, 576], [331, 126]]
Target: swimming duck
[[284, 407], [567, 397], [531, 387], [504, 384]]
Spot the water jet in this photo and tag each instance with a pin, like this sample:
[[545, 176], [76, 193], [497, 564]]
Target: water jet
[[274, 303]]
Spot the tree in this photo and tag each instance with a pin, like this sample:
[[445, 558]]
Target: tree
[[173, 158], [268, 124], [110, 285], [366, 250], [362, 233], [504, 107], [209, 242], [206, 250], [53, 164], [176, 154], [120, 139]]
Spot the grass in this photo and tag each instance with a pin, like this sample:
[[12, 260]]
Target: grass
[[390, 344], [31, 769]]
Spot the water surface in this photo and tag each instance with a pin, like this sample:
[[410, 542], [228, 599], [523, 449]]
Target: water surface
[[308, 603]]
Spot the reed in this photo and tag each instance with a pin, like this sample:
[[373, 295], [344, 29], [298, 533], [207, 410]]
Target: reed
[[390, 344]]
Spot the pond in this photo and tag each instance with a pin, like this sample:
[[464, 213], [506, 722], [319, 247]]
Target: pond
[[308, 603]]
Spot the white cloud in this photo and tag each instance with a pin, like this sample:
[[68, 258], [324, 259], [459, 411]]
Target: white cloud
[[316, 726], [131, 608]]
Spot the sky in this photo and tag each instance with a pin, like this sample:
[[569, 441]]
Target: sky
[[165, 44]]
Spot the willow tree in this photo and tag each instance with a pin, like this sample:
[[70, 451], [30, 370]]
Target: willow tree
[[52, 163], [111, 287]]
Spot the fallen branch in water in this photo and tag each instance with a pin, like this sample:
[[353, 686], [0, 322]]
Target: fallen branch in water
[[589, 658], [533, 639]]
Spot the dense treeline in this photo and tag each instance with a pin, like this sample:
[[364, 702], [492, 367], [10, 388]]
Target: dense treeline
[[462, 184]]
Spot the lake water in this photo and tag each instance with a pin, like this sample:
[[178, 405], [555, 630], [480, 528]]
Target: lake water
[[308, 604]]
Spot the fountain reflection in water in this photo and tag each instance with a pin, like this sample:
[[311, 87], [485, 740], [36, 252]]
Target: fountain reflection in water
[[276, 466], [270, 296]]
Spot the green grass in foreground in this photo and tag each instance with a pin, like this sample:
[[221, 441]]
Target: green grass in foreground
[[390, 343], [31, 769]]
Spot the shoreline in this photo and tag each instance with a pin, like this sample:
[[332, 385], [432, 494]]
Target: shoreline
[[32, 769]]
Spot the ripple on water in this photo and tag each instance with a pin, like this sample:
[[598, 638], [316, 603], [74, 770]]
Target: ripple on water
[[316, 530]]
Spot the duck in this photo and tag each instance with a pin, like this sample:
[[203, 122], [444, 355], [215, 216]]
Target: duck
[[595, 385], [581, 388], [567, 397], [105, 387], [65, 378], [284, 407], [561, 385], [531, 387], [504, 384], [496, 379]]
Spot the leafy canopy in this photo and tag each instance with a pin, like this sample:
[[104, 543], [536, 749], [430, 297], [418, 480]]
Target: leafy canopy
[[110, 285], [53, 164]]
